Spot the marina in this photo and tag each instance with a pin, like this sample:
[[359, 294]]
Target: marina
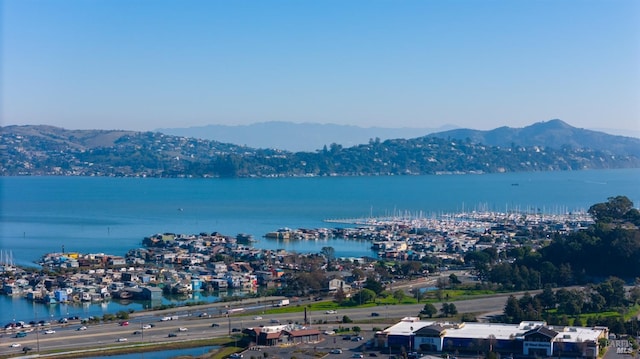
[[113, 215]]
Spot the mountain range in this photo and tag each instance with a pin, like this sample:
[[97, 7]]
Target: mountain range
[[296, 137], [544, 146]]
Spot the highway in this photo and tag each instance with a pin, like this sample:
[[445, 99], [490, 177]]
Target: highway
[[67, 337]]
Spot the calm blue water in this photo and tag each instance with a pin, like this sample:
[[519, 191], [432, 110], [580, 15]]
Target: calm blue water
[[111, 215], [165, 354]]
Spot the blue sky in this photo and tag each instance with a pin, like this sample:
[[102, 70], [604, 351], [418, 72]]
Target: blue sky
[[146, 64]]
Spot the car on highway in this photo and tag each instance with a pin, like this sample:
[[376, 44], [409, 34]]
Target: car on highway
[[331, 311], [215, 324], [82, 328], [183, 329], [124, 324], [235, 356], [274, 321], [122, 339], [357, 355], [50, 331], [15, 345], [235, 330], [329, 332], [172, 335], [336, 351], [204, 315], [21, 335], [165, 319], [137, 332], [146, 326], [357, 339], [257, 317], [374, 314]]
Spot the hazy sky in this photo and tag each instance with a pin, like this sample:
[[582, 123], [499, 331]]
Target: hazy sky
[[146, 64]]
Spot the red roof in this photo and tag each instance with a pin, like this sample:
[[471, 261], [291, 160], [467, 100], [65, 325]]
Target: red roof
[[304, 332]]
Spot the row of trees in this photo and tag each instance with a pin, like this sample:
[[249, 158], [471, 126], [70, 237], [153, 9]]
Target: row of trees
[[564, 306]]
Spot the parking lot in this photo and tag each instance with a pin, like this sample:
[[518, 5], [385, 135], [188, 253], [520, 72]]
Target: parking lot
[[347, 345]]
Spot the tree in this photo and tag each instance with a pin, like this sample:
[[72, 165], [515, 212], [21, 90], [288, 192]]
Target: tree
[[453, 280], [410, 268], [373, 285], [429, 309], [615, 209], [417, 293], [398, 295], [634, 295], [547, 298], [448, 309], [340, 296], [364, 296], [612, 290], [357, 273], [329, 254], [512, 311]]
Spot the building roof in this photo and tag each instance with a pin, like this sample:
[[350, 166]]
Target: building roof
[[303, 332], [484, 330], [412, 325], [546, 331], [407, 326]]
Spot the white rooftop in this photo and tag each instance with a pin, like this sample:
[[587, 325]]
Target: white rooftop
[[407, 326]]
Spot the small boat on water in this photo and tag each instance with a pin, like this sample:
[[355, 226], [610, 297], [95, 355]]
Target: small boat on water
[[123, 294]]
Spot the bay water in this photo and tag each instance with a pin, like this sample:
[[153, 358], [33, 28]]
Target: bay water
[[112, 215]]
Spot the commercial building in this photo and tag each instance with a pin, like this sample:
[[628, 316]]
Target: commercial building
[[527, 338]]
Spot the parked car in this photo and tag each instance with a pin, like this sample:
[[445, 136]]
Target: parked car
[[357, 355], [373, 354], [329, 332], [235, 330], [236, 356]]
